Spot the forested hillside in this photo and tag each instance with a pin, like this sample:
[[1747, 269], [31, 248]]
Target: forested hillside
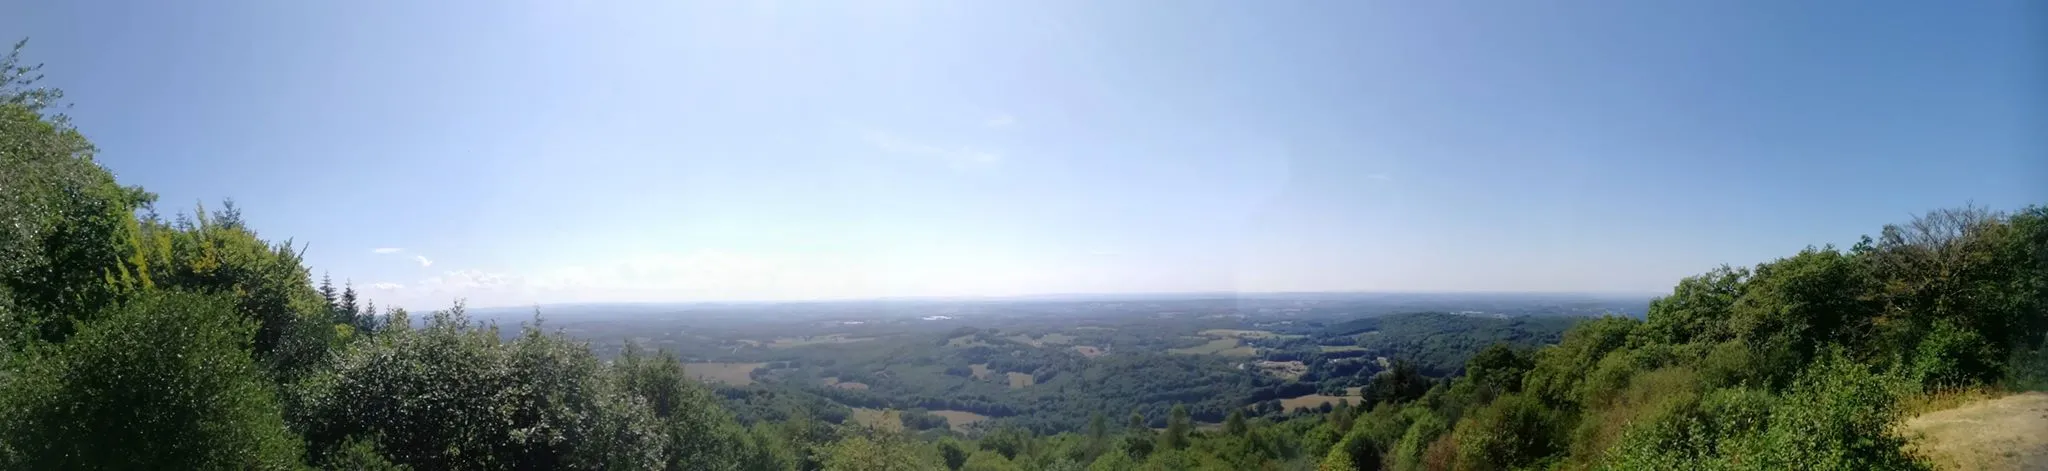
[[129, 339]]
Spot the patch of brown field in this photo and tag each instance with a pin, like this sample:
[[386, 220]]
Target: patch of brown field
[[1021, 380], [981, 370], [1088, 351], [737, 374], [2008, 433], [960, 420], [851, 385], [1339, 348], [1313, 401], [1246, 334]]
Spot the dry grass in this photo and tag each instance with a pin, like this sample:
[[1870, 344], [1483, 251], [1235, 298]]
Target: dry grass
[[737, 374], [1946, 399], [851, 385], [1021, 380], [1088, 351], [2007, 433], [981, 370], [960, 420], [1313, 401], [1339, 348]]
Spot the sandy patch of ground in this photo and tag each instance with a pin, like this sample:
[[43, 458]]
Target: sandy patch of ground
[[2008, 433]]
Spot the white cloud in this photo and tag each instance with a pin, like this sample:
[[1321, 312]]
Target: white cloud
[[958, 158], [468, 279], [387, 286], [1000, 121], [424, 262], [386, 250]]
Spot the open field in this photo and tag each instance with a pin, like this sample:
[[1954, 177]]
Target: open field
[[836, 383], [966, 341], [2008, 433], [960, 420], [1043, 340], [1339, 348], [1021, 380], [1317, 400], [877, 418], [981, 370], [1216, 346], [1088, 351], [1247, 334], [827, 339], [737, 374]]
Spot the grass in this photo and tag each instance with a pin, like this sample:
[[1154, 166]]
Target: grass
[[1247, 334], [1043, 340], [2002, 433], [960, 420], [737, 374], [1340, 348], [1314, 401], [1021, 380], [1088, 351], [827, 339], [1214, 346], [981, 370], [877, 419]]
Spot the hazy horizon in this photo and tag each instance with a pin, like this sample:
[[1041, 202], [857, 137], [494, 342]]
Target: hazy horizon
[[557, 153]]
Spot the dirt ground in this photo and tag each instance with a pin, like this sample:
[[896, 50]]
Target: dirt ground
[[2008, 433]]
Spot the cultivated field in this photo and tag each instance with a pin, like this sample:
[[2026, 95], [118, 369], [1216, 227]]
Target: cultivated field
[[1228, 346], [1246, 334], [737, 374], [1021, 380]]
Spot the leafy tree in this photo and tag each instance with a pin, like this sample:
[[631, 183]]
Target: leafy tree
[[162, 379]]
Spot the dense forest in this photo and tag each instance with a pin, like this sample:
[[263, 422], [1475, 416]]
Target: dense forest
[[132, 340]]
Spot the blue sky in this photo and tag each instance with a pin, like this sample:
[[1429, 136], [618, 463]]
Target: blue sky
[[522, 152]]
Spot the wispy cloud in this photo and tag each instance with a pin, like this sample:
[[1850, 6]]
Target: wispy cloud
[[387, 286], [424, 262], [957, 157], [386, 250], [1000, 121], [467, 279]]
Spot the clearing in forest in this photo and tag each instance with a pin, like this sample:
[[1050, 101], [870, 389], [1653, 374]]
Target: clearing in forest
[[981, 370], [2007, 433], [1247, 334], [827, 339], [1021, 380], [1088, 351], [737, 374], [960, 420]]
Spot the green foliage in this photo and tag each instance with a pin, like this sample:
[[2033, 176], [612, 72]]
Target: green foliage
[[162, 379], [880, 452]]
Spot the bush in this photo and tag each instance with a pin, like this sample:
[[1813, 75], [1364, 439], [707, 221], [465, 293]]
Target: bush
[[162, 382]]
